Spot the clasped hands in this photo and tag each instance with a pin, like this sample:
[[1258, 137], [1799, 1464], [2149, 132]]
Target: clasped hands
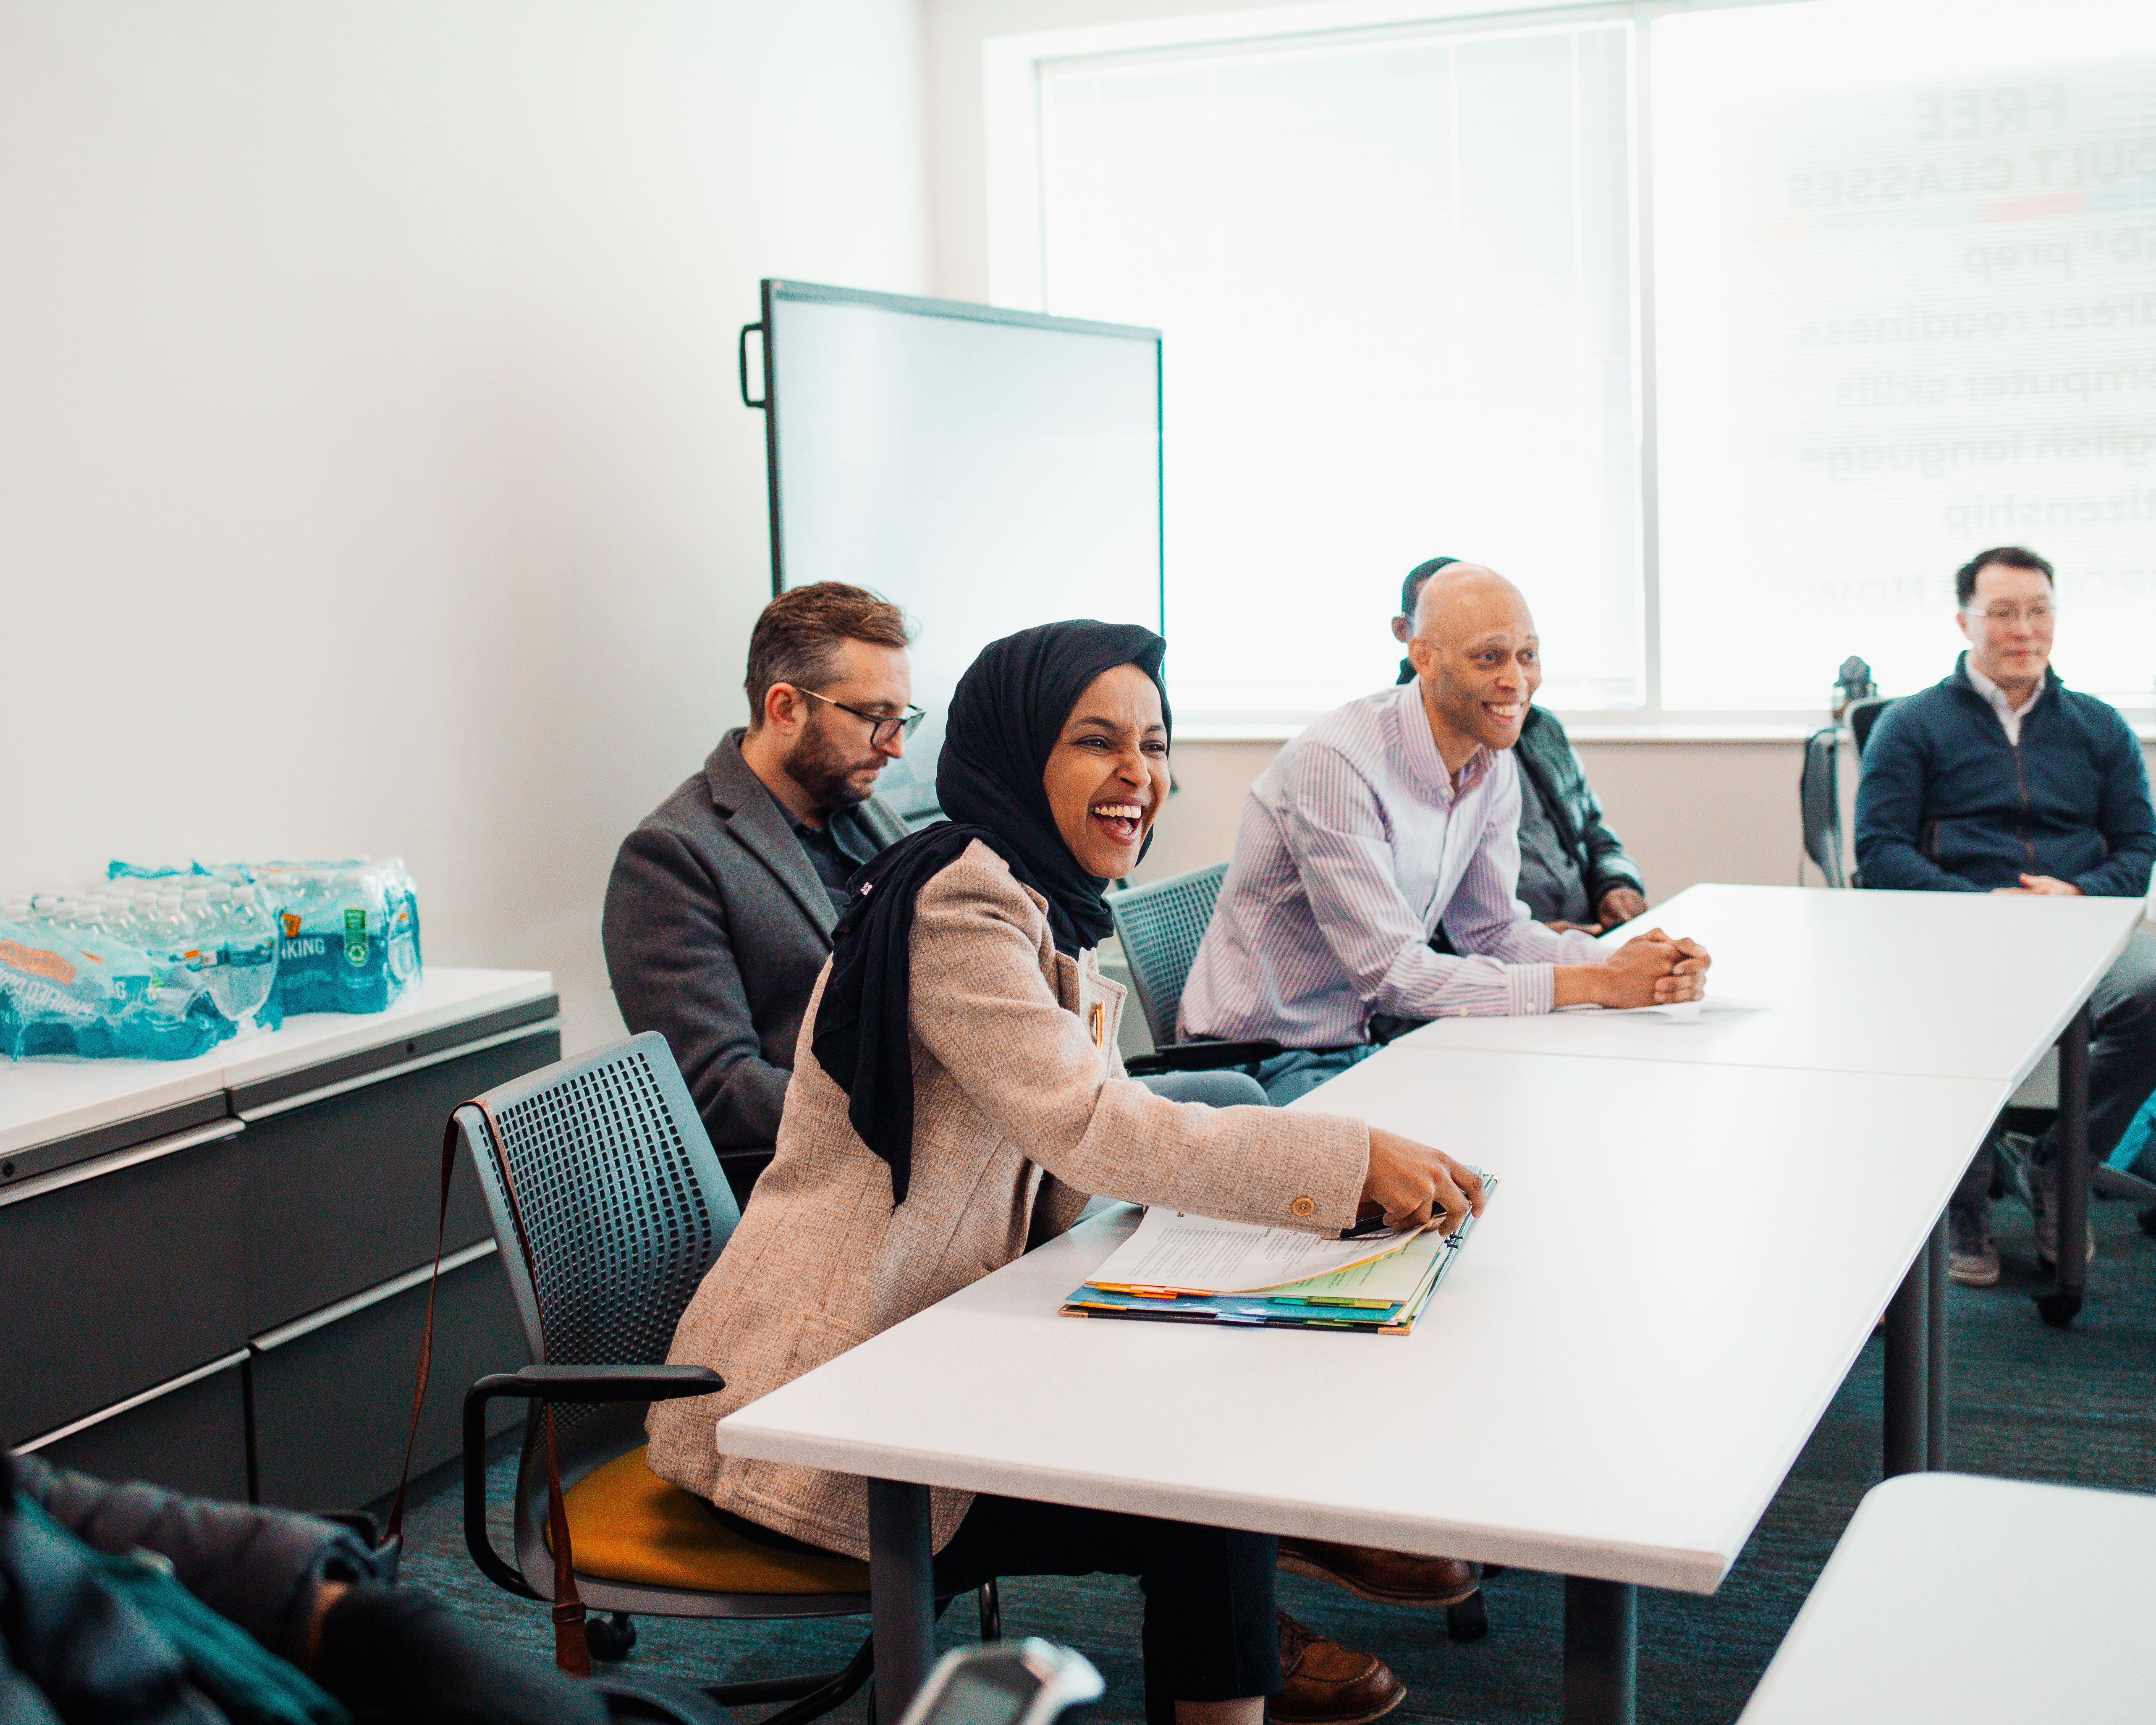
[[1650, 969], [2040, 886]]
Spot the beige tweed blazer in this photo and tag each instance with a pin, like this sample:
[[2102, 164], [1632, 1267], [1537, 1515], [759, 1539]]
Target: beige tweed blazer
[[1021, 1110]]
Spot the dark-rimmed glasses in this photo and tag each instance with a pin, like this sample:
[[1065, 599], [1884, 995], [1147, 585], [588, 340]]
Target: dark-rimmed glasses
[[883, 727], [2040, 615]]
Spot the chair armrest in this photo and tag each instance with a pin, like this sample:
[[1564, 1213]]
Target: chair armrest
[[603, 1384], [555, 1383], [1202, 1056]]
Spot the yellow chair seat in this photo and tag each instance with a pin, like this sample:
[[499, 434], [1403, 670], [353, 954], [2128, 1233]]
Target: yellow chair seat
[[627, 1524]]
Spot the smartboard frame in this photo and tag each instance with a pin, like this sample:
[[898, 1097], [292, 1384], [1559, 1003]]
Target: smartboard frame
[[775, 290]]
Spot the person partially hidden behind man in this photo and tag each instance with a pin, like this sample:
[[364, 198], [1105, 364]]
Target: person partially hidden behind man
[[1396, 813], [720, 911], [2002, 779], [1574, 870]]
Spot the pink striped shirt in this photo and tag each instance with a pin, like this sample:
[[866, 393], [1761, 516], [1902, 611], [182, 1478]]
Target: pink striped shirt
[[1355, 845]]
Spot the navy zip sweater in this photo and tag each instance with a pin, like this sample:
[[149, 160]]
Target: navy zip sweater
[[1946, 804]]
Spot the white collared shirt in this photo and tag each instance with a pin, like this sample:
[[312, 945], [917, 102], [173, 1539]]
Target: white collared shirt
[[1355, 844], [2009, 716]]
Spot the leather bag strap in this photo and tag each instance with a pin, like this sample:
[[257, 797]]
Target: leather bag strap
[[396, 1529], [572, 1650]]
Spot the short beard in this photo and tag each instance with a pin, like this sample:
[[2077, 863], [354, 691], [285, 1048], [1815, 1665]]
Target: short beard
[[825, 770]]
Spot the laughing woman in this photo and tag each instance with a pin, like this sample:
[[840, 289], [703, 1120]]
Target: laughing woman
[[958, 1094]]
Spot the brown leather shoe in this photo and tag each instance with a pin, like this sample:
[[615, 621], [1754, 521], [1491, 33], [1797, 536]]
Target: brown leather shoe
[[1328, 1684], [1391, 1578]]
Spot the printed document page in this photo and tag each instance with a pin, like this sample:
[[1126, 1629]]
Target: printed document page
[[1198, 1254]]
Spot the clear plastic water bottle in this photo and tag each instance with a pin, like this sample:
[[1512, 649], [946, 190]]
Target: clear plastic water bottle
[[166, 923], [136, 921], [200, 950], [242, 982]]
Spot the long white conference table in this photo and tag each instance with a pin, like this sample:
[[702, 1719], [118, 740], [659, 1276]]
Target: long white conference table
[[1685, 1256], [1918, 983]]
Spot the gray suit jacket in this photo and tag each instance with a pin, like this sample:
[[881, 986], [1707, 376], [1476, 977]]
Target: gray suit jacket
[[716, 925]]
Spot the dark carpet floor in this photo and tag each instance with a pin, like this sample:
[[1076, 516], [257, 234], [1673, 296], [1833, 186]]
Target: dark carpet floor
[[2028, 1402]]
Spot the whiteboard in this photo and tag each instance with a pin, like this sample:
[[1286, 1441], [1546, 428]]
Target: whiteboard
[[985, 469]]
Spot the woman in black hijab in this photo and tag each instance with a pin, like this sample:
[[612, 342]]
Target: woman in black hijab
[[1006, 717], [957, 1094]]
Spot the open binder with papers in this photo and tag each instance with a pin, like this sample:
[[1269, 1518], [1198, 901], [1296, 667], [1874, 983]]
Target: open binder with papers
[[1196, 1270]]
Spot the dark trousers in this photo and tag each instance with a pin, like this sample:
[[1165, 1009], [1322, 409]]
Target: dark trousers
[[2121, 1064], [1209, 1633]]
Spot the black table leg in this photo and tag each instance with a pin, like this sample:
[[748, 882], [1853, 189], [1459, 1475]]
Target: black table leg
[[1601, 1651], [901, 1593], [2061, 1302], [1908, 1376], [1935, 1350]]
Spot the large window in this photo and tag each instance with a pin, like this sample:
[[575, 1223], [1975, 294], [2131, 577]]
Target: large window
[[1728, 332]]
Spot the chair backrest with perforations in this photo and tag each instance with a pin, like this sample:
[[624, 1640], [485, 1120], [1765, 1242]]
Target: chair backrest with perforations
[[1160, 926], [1818, 803], [1863, 715], [623, 1199]]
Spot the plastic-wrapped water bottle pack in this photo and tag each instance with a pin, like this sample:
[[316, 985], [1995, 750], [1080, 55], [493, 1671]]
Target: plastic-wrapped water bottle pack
[[166, 962]]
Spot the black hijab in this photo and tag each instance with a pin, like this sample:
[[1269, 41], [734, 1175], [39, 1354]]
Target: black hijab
[[1008, 711]]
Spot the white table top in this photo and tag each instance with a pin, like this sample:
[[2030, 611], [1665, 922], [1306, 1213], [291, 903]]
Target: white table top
[[1679, 1266], [1986, 1602], [1853, 982], [54, 1096]]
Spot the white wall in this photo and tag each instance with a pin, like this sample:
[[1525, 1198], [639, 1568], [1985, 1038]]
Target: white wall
[[373, 474]]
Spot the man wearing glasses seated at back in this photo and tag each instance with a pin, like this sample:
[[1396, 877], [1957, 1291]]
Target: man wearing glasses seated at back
[[2002, 779], [719, 914]]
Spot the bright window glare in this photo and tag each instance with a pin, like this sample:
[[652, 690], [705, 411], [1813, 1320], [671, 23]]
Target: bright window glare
[[1395, 284], [1906, 266], [1904, 256]]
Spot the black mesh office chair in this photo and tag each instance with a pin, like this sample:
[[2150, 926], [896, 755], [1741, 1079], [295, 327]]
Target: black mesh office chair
[[624, 1207], [1862, 715], [1159, 927], [1819, 802], [1819, 788]]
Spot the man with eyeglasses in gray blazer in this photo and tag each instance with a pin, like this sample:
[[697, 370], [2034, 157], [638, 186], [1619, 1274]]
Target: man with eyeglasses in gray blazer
[[720, 911]]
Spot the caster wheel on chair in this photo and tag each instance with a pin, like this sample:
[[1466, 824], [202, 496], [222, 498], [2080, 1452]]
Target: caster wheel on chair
[[610, 1637], [1467, 1621], [2059, 1311]]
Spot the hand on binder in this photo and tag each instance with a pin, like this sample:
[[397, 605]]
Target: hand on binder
[[1411, 1184]]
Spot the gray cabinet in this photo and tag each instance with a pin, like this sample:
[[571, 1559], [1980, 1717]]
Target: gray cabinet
[[124, 1276], [325, 1435], [236, 1308], [190, 1434]]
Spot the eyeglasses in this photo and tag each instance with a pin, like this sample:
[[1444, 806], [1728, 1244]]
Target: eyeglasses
[[884, 728], [2036, 616]]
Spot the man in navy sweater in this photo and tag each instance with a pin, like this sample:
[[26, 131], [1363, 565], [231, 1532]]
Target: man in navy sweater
[[2002, 779]]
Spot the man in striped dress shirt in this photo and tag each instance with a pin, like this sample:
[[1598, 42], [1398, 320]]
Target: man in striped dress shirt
[[1394, 814]]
